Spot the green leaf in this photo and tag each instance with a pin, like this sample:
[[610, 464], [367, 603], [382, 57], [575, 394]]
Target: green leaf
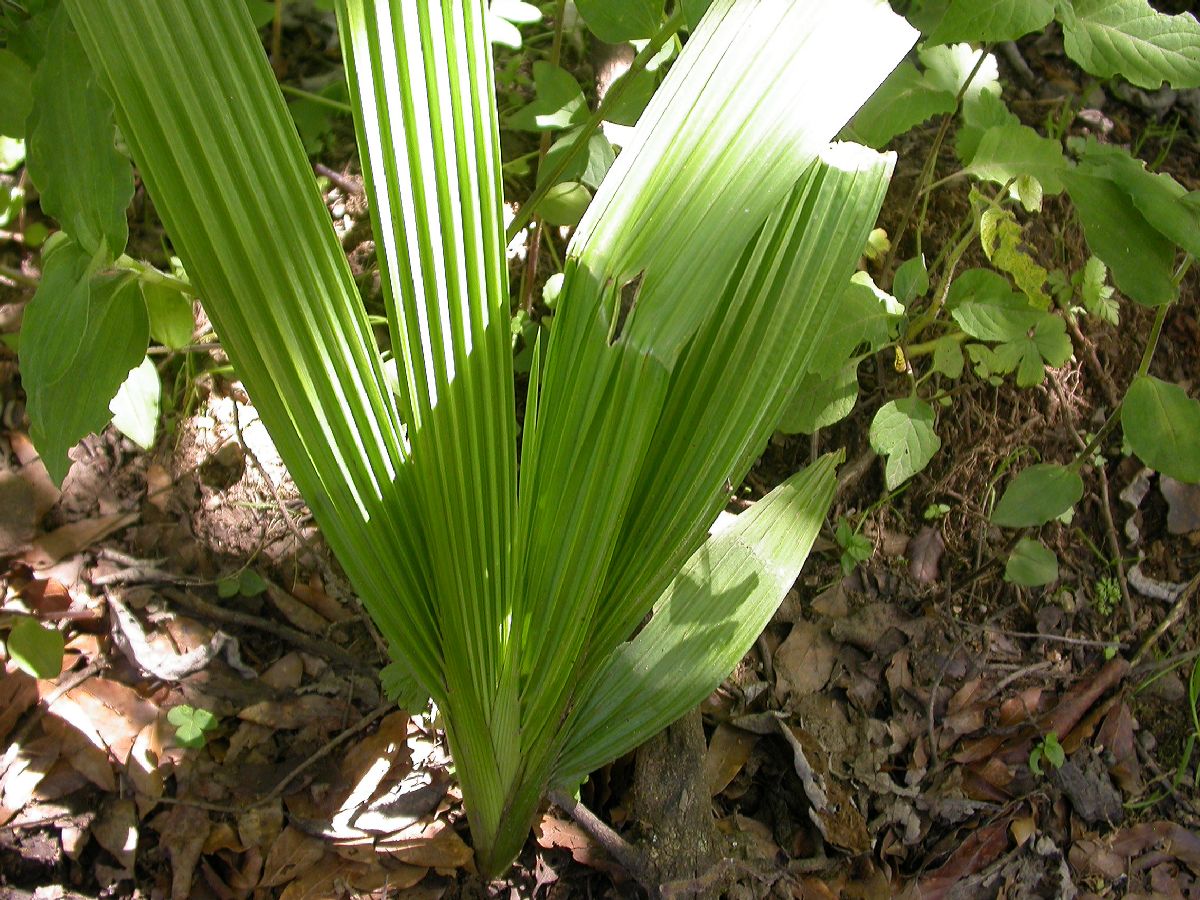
[[947, 69], [565, 204], [1129, 38], [1009, 151], [912, 280], [997, 317], [15, 77], [948, 357], [36, 650], [1038, 495], [56, 319], [85, 183], [820, 402], [1140, 257], [1162, 425], [707, 618], [617, 21], [171, 318], [1097, 294], [903, 431], [1158, 196], [694, 10], [135, 408], [61, 413], [262, 12], [558, 101], [637, 89], [1031, 564], [980, 114], [988, 21], [863, 321], [588, 167], [1002, 238], [191, 724], [903, 101]]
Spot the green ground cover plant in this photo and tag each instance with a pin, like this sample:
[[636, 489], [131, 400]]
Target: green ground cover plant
[[562, 602]]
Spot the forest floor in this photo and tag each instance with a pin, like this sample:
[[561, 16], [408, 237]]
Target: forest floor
[[915, 727]]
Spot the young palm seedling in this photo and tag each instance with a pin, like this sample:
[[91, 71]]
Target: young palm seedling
[[696, 288]]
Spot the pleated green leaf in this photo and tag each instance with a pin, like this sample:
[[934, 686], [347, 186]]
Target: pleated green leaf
[[207, 126], [707, 619]]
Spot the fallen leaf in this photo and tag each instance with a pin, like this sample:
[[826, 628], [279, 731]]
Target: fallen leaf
[[182, 831], [18, 692], [16, 513], [285, 674], [70, 539], [142, 767], [334, 877], [292, 854], [804, 662], [299, 615], [107, 712], [33, 470], [728, 751], [116, 830], [314, 596], [980, 848], [33, 761], [260, 826], [925, 555], [438, 847], [326, 713], [1183, 505], [552, 833]]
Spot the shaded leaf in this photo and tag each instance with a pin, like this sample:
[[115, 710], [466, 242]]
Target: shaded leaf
[[15, 78], [171, 318], [36, 649], [1162, 424], [1038, 495], [904, 100], [1031, 564], [1008, 151], [558, 102], [987, 21], [903, 431], [617, 21], [820, 402]]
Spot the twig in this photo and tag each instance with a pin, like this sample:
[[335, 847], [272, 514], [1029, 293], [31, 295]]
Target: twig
[[324, 751], [616, 846], [1173, 617], [293, 636]]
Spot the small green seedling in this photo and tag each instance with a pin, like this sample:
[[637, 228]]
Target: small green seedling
[[855, 547], [191, 725], [246, 583], [1048, 749], [36, 650], [936, 511], [1106, 595]]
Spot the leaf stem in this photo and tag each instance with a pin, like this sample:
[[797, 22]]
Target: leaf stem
[[301, 94], [611, 99]]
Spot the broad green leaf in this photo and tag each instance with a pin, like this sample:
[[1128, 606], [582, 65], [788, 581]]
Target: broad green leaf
[[617, 21], [997, 317], [912, 280], [903, 431], [903, 101], [988, 21], [558, 101], [707, 618], [85, 183], [1131, 39], [61, 413], [565, 203], [1010, 151], [981, 285], [15, 77], [36, 650], [1140, 258], [948, 357], [171, 318], [947, 68], [862, 321], [1002, 238], [980, 114], [1031, 564], [261, 11], [694, 10], [820, 402], [588, 168], [1028, 354], [637, 88], [56, 319], [1162, 425], [1038, 495], [1030, 192], [136, 406], [1158, 197]]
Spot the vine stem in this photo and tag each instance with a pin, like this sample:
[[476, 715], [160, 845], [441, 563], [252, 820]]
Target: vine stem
[[614, 96], [931, 162]]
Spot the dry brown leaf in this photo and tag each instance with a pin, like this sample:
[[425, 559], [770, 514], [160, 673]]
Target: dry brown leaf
[[303, 617], [1116, 736], [70, 539], [260, 826], [324, 713], [142, 767], [107, 713], [1183, 505], [981, 847], [333, 877], [438, 847], [314, 596], [18, 692], [158, 485], [33, 470], [925, 555], [222, 837], [804, 662], [292, 854], [285, 674], [552, 832], [116, 830], [17, 522], [728, 751], [33, 761], [183, 832]]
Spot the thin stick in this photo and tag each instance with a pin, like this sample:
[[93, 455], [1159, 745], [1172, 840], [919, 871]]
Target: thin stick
[[617, 847], [1173, 617]]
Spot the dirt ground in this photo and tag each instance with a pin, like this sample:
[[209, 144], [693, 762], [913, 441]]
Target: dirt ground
[[887, 736]]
